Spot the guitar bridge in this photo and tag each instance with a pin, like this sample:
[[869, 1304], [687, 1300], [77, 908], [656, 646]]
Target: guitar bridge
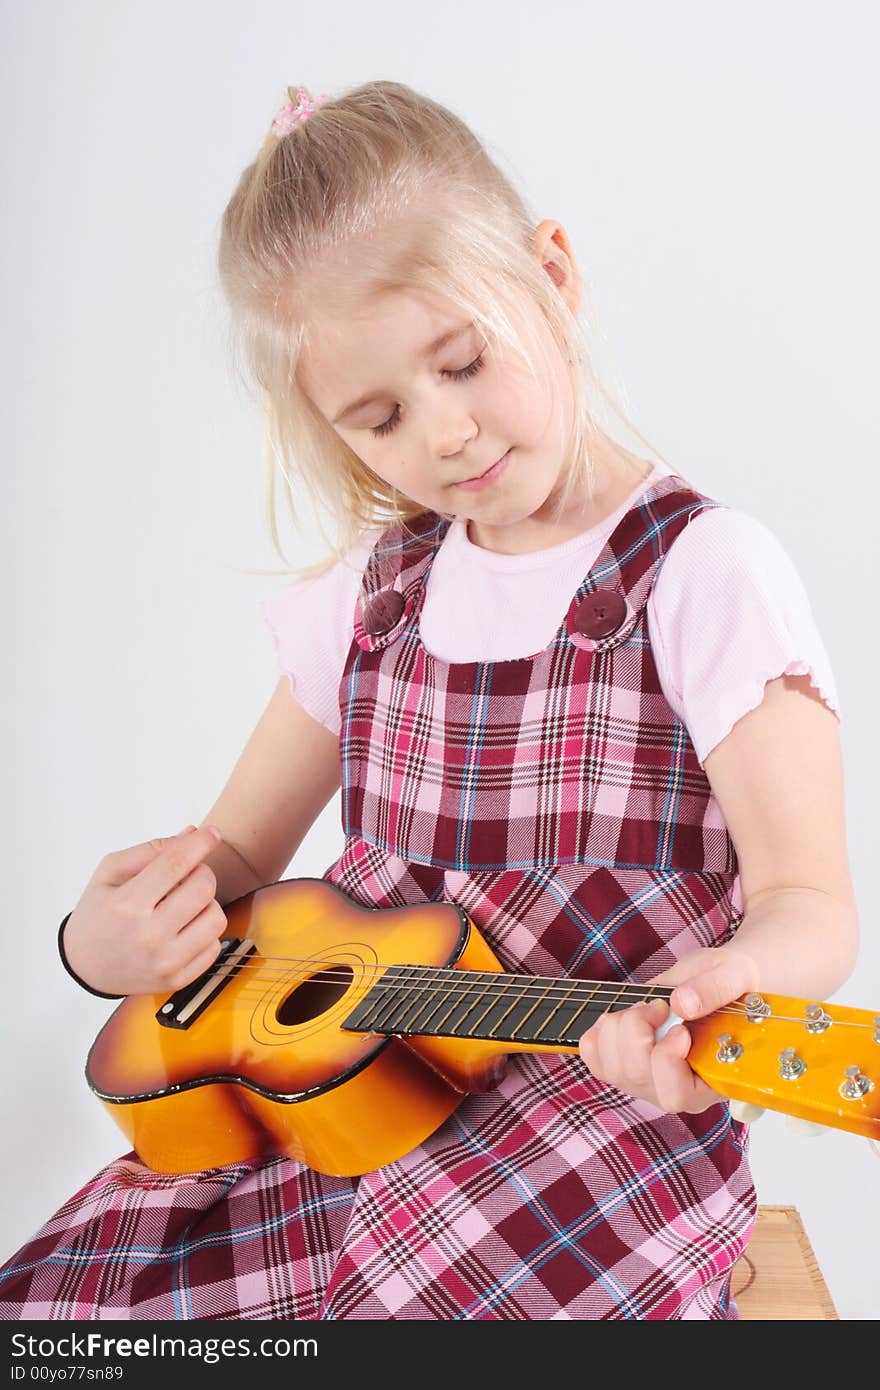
[[185, 1005]]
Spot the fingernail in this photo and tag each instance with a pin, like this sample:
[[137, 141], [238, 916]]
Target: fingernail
[[688, 1001], [185, 831], [218, 834]]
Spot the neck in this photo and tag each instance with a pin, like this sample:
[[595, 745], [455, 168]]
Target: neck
[[426, 1001], [616, 474]]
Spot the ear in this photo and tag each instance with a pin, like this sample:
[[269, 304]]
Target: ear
[[553, 249]]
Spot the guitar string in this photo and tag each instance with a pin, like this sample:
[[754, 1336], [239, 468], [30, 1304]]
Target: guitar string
[[457, 982], [468, 979], [252, 995], [522, 985], [256, 964], [501, 981]]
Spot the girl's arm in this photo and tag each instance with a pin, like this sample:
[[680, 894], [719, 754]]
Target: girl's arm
[[284, 777], [778, 779]]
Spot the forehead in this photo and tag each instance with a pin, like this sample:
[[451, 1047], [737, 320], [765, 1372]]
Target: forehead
[[346, 354]]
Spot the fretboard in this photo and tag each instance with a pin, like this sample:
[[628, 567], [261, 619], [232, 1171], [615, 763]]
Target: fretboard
[[415, 1000]]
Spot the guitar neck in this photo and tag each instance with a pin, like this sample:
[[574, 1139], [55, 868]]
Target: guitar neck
[[527, 1009]]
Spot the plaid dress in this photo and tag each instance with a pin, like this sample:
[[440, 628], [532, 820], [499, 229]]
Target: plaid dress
[[559, 801]]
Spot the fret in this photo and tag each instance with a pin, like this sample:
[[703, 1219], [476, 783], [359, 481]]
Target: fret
[[623, 1000], [543, 1025], [405, 1024], [513, 1015], [615, 1002], [438, 1026], [376, 1010], [497, 1024], [586, 1003], [472, 1029], [425, 1021], [551, 984], [377, 1022], [502, 1002], [563, 1003], [469, 996], [564, 1028]]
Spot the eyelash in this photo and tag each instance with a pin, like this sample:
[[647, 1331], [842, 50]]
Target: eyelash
[[391, 423]]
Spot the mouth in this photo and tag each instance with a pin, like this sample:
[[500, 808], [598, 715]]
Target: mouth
[[485, 479]]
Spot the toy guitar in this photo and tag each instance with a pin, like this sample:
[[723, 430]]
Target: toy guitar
[[343, 1036]]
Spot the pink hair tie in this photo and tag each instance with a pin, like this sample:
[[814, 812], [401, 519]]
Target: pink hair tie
[[290, 115]]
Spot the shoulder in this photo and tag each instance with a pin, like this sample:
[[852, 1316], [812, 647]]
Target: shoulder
[[339, 576], [310, 621], [312, 613], [728, 612], [723, 546]]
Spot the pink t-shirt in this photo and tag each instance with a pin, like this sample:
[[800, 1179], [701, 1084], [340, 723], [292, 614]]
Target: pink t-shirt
[[727, 613]]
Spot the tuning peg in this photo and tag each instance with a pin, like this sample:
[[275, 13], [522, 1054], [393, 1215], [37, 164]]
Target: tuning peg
[[804, 1127], [745, 1112]]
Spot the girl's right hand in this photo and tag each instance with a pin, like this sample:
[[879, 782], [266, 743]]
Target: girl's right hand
[[148, 921]]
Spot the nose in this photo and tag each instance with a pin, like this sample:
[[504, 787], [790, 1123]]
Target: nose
[[453, 438]]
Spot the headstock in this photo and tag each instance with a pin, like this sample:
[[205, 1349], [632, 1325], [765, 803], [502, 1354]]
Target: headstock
[[818, 1062]]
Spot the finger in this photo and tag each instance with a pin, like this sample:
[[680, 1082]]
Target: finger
[[678, 1089], [120, 865], [174, 863], [636, 1039], [588, 1044], [606, 1048], [624, 1042], [734, 975], [183, 903], [196, 945], [194, 965]]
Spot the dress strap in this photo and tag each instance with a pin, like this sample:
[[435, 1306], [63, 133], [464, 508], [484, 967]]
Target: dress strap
[[607, 605], [393, 587]]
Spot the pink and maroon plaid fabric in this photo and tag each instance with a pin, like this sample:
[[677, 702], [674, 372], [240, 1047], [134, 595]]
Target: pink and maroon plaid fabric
[[559, 801]]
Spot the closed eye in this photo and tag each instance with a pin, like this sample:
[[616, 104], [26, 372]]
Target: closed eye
[[470, 370]]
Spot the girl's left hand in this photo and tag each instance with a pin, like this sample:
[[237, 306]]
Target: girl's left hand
[[621, 1049]]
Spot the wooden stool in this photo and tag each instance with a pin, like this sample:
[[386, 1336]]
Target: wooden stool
[[778, 1277]]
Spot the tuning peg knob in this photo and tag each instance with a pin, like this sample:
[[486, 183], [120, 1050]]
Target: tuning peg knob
[[855, 1084], [745, 1112], [728, 1049], [804, 1127], [791, 1066]]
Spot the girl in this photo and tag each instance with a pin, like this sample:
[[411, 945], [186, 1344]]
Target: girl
[[558, 686]]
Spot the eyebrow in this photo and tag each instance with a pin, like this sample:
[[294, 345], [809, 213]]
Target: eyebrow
[[429, 351]]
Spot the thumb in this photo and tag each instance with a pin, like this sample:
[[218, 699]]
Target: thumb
[[734, 975], [120, 865]]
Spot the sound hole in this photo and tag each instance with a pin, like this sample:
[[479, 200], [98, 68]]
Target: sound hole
[[315, 996]]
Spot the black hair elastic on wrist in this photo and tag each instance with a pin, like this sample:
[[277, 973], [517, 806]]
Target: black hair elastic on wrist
[[70, 970]]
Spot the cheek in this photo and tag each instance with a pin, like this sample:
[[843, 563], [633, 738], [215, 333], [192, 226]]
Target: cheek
[[522, 407]]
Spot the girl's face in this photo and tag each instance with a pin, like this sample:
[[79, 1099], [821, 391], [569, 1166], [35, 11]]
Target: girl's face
[[429, 418]]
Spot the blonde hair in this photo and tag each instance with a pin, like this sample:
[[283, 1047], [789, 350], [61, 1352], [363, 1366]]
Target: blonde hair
[[380, 189]]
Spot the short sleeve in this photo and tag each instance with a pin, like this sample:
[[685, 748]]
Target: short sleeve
[[311, 623], [728, 612]]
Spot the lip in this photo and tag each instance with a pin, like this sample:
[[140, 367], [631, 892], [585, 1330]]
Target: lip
[[486, 479]]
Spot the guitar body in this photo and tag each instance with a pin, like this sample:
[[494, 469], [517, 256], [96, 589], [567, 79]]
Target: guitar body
[[266, 1067]]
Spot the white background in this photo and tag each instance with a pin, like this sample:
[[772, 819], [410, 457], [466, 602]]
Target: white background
[[715, 167]]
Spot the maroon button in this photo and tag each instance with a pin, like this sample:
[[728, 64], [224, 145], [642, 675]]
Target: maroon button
[[382, 611], [601, 613]]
